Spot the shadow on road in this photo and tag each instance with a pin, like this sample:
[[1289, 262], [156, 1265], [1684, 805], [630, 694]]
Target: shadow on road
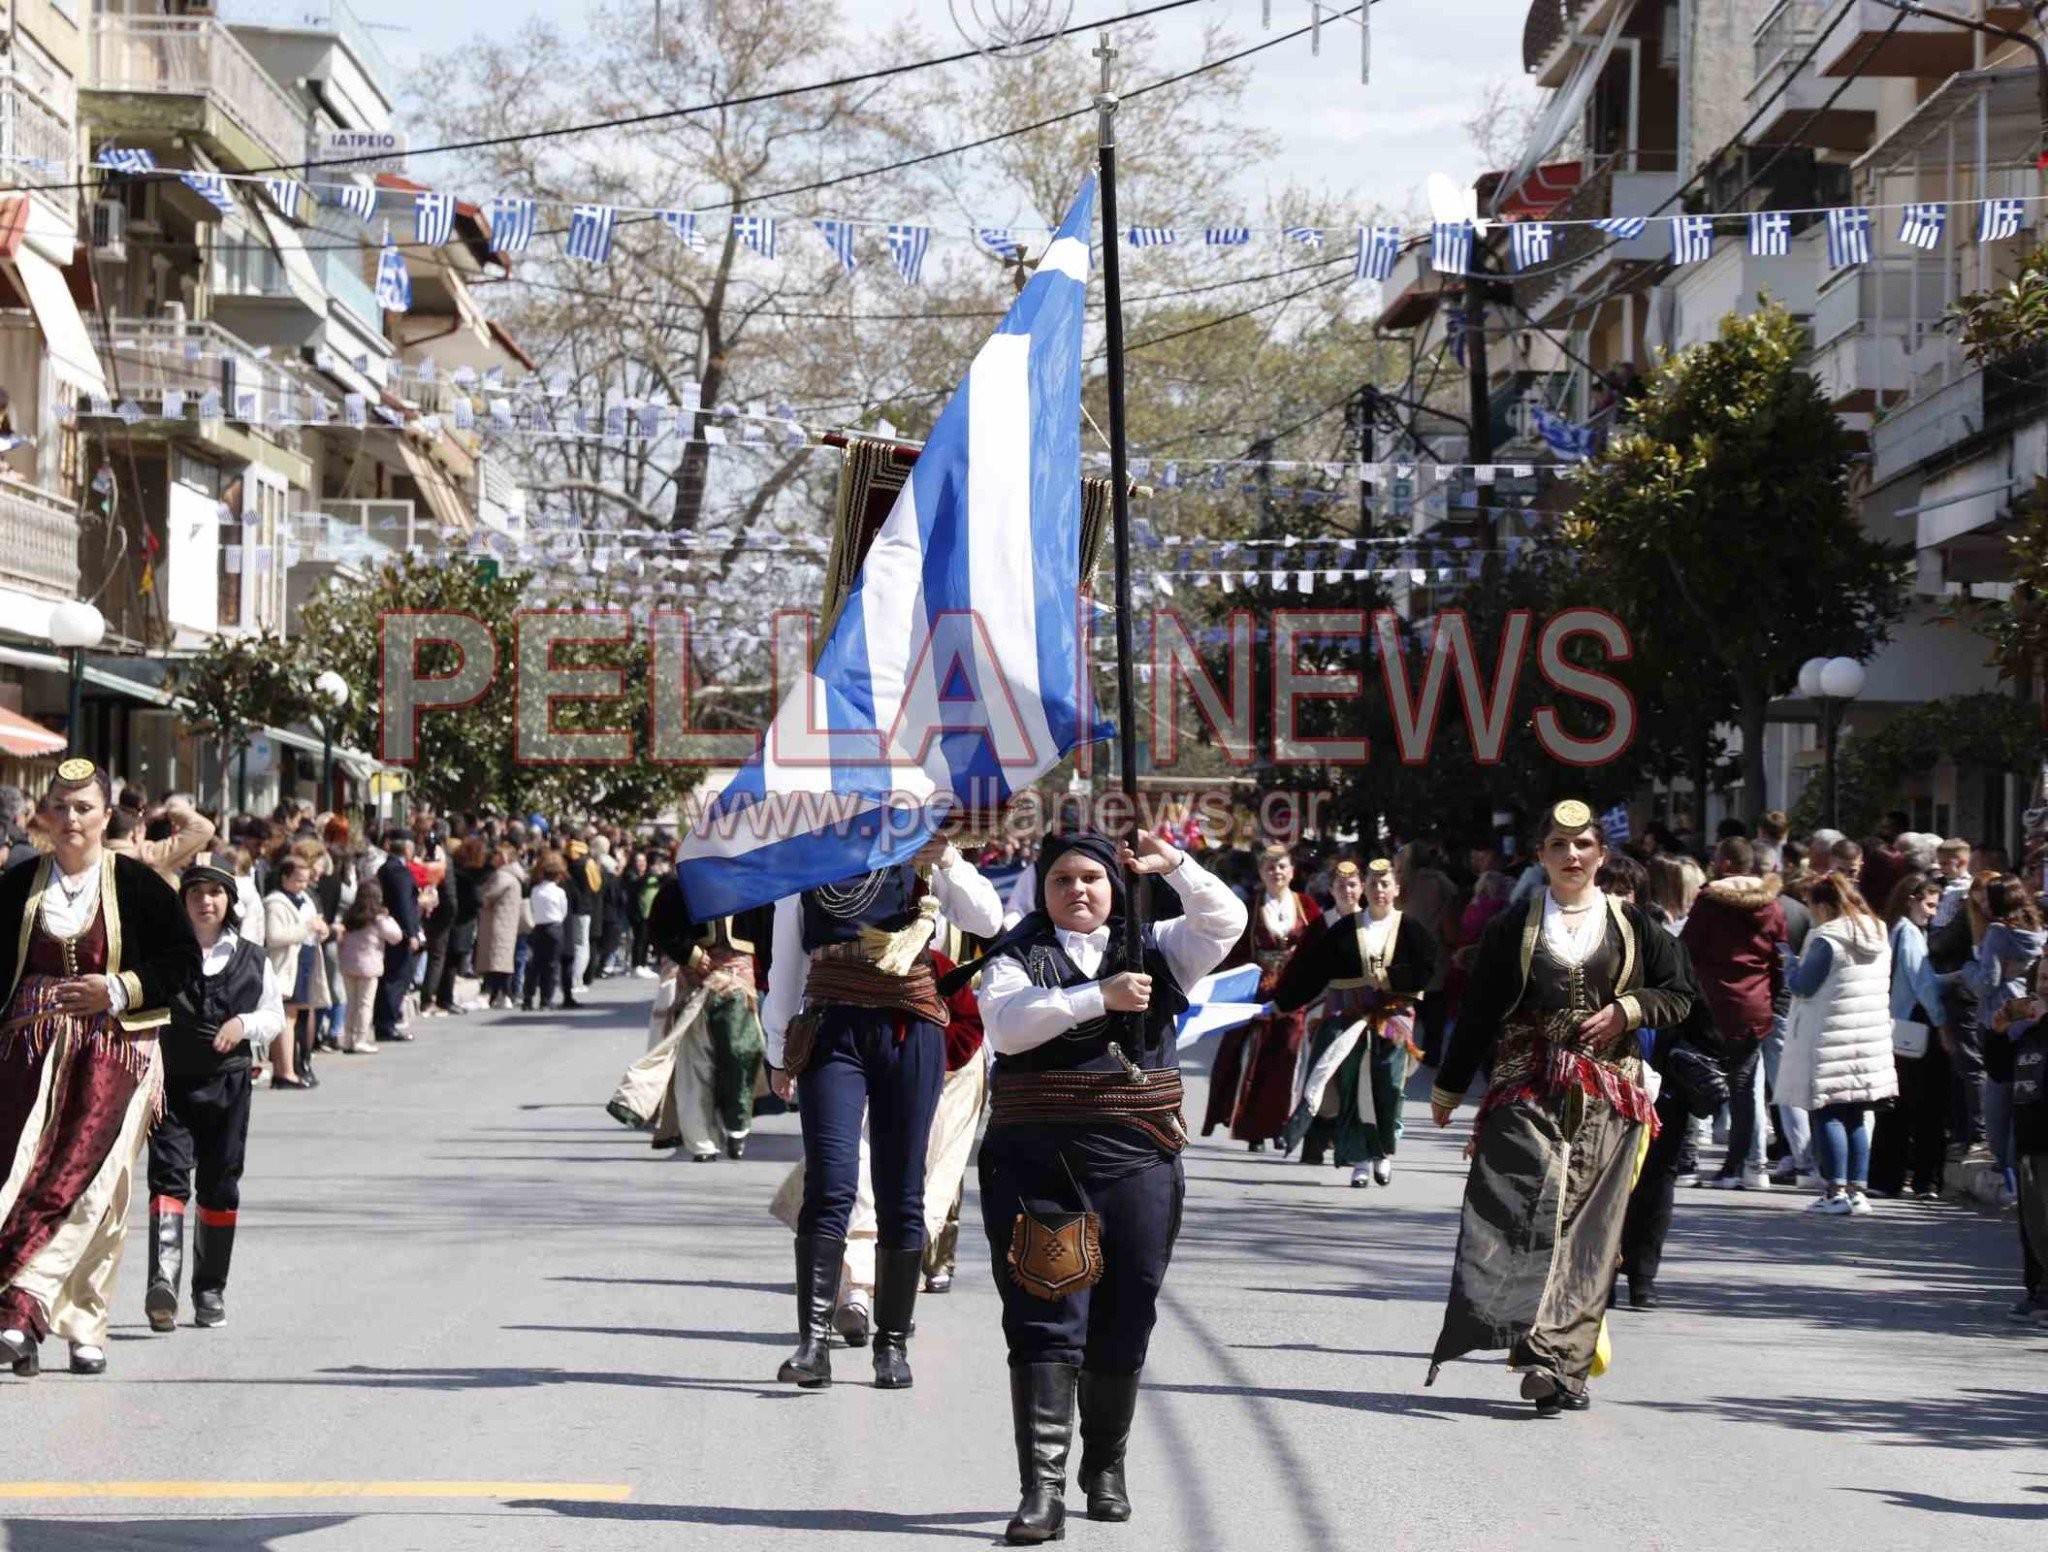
[[873, 1520], [1899, 1499], [763, 1338], [683, 1282], [1396, 1403], [213, 1535], [1967, 1420], [510, 1378]]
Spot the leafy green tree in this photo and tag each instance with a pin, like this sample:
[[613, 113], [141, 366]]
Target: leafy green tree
[[1996, 324], [235, 685], [1721, 530]]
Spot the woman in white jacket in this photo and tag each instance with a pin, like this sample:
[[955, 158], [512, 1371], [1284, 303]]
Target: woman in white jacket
[[1838, 1046]]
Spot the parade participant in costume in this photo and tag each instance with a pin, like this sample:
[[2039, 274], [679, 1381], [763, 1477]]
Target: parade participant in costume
[[1562, 982], [853, 1014], [1369, 965], [1081, 1177], [200, 1139], [954, 1126], [695, 1087], [1251, 1083], [101, 947]]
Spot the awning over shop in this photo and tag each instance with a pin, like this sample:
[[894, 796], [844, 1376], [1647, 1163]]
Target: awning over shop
[[24, 739], [70, 347], [439, 493]]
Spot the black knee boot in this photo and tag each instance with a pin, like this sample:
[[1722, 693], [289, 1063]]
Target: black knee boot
[[897, 1275], [166, 1262], [1042, 1412], [1107, 1404], [213, 1247], [818, 1262]]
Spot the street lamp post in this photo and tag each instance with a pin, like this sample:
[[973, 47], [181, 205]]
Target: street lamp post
[[1832, 682], [76, 626], [331, 690]]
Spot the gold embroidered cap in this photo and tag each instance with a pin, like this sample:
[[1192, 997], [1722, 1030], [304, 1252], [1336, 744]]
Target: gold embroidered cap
[[1379, 865], [76, 771], [1345, 869], [1571, 814]]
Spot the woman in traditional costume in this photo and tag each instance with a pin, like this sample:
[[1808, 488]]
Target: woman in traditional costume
[[1369, 964], [1251, 1084], [1081, 1178], [1562, 982], [101, 948], [853, 1014]]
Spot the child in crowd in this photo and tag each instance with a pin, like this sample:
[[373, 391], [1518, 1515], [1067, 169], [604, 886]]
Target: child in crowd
[[367, 929]]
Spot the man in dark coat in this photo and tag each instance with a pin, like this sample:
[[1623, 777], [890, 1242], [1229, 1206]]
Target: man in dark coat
[[1734, 938], [402, 900]]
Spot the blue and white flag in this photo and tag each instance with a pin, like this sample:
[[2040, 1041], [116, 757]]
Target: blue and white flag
[[839, 237], [129, 159], [997, 240], [682, 225], [1922, 225], [953, 673], [512, 223], [907, 248], [433, 218], [1529, 243], [1614, 824], [211, 187], [1770, 234], [358, 199], [1378, 249], [1571, 442], [590, 233], [1450, 247], [757, 232], [1226, 236], [1627, 228], [394, 282], [1692, 239], [2000, 219], [285, 193], [1153, 236], [1307, 236], [1848, 236]]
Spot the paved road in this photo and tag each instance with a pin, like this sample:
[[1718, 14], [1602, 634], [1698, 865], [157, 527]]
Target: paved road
[[456, 1270]]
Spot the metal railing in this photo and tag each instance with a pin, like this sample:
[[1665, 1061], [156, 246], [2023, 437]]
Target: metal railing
[[341, 271], [38, 540], [1786, 31], [37, 146], [197, 57], [333, 16]]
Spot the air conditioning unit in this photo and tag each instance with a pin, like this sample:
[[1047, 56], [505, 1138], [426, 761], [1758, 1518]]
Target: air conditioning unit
[[110, 231]]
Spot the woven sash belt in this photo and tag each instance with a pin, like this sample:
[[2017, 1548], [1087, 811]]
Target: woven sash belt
[[838, 976], [1075, 1098]]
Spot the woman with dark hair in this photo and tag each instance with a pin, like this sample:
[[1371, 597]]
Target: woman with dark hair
[[1562, 983], [101, 949], [1252, 1078], [495, 955], [1906, 1152], [2012, 942]]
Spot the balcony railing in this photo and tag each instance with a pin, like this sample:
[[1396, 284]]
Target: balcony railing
[[1788, 31], [150, 355], [341, 269], [38, 541], [312, 16], [37, 147], [197, 57], [363, 533]]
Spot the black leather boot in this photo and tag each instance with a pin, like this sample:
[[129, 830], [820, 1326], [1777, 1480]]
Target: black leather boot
[[1107, 1404], [213, 1247], [1042, 1412], [897, 1276], [166, 1262], [817, 1291]]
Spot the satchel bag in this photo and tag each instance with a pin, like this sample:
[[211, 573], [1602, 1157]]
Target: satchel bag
[[1696, 1079], [1055, 1254], [799, 1041], [1909, 1038]]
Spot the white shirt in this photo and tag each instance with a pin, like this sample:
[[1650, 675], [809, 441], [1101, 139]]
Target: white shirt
[[550, 904], [68, 907], [1278, 915], [1573, 938], [1018, 1016], [266, 1023], [1372, 943], [966, 899]]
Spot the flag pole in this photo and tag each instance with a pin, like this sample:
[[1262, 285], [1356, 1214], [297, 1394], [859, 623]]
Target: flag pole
[[1119, 482]]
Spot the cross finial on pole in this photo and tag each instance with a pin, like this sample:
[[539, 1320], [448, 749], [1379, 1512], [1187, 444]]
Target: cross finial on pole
[[1105, 100]]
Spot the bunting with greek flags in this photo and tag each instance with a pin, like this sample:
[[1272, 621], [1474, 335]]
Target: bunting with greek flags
[[997, 240], [394, 282], [757, 232], [1307, 236], [1378, 249], [285, 193], [1848, 236], [1922, 225], [1627, 228], [907, 248], [1529, 242], [839, 237], [2000, 219], [1571, 442], [513, 221], [1770, 234], [1226, 236], [1692, 239], [211, 187], [129, 159], [953, 674], [433, 218], [590, 233], [358, 199], [1450, 247], [1152, 236], [682, 225]]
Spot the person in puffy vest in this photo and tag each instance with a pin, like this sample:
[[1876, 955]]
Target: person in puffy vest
[[197, 1148]]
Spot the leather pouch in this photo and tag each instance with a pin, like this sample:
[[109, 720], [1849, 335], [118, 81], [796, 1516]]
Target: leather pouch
[[1055, 1254], [799, 1039]]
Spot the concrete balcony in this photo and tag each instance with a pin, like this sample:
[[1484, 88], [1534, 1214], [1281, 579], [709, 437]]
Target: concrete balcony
[[38, 541], [1864, 44], [38, 146], [157, 78], [1867, 322], [1584, 260], [1782, 41]]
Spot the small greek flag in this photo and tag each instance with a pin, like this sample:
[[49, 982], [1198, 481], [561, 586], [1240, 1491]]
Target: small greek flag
[[1529, 243], [1450, 247], [1226, 236], [1848, 236], [757, 232], [394, 283], [2001, 218], [512, 222], [590, 233], [433, 218], [997, 240], [907, 247], [131, 161], [358, 199], [1378, 248], [683, 224], [1152, 236], [1770, 233], [1692, 238], [1922, 226], [211, 187], [1614, 824], [838, 237], [285, 193], [1627, 228], [1307, 236]]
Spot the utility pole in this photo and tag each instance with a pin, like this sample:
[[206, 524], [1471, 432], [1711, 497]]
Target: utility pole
[[1359, 414], [1479, 435]]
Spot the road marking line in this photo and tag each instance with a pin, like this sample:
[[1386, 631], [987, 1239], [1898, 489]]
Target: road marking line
[[572, 1492]]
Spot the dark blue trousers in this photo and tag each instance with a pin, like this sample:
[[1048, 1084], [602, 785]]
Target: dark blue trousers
[[859, 1065], [1106, 1328]]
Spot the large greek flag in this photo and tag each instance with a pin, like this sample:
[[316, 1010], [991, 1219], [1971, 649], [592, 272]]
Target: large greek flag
[[953, 674]]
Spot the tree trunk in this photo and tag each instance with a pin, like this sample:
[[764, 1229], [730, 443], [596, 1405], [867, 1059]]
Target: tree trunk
[[1755, 707]]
